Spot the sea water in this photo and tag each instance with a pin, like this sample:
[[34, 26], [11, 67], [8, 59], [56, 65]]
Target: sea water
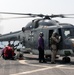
[[5, 43]]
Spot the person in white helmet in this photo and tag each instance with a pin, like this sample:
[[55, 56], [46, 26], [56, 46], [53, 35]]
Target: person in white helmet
[[41, 48]]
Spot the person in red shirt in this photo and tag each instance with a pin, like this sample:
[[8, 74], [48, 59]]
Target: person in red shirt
[[8, 53]]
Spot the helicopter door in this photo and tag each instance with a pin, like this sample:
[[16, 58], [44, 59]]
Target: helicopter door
[[50, 34], [60, 45], [60, 33]]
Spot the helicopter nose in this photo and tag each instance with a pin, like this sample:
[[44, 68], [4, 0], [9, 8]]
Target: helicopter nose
[[69, 43], [72, 40], [72, 44]]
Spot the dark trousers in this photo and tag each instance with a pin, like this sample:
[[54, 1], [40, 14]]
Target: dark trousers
[[8, 57], [41, 55]]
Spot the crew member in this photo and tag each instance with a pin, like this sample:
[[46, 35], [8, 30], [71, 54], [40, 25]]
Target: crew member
[[54, 41], [8, 53], [41, 48]]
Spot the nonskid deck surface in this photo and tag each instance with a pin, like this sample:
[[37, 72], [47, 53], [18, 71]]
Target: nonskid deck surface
[[31, 66]]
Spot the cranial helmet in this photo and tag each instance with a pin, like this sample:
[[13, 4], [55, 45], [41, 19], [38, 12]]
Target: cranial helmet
[[55, 33], [41, 34]]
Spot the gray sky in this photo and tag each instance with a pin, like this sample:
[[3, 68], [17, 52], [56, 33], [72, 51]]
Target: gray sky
[[35, 7]]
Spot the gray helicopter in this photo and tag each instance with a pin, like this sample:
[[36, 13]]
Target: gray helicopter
[[29, 34]]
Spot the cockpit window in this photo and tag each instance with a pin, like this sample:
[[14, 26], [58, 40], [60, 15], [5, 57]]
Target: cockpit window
[[29, 25], [68, 32]]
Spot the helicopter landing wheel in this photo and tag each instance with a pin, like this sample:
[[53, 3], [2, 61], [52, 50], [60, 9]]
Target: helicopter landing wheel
[[48, 56], [66, 59]]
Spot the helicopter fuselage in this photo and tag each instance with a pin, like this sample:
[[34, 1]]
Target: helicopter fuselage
[[29, 35], [66, 45]]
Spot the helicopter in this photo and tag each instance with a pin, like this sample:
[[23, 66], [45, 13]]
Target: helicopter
[[29, 34]]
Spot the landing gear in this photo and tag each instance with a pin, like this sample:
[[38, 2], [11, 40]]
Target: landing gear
[[48, 56], [66, 59]]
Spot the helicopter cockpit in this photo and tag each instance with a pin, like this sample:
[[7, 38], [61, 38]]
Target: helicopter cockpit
[[68, 32]]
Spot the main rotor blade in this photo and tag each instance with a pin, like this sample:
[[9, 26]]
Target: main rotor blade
[[15, 13], [33, 15], [68, 14], [14, 18], [63, 16], [39, 15], [68, 17]]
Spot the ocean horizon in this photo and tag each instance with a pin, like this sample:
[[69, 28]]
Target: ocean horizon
[[5, 43]]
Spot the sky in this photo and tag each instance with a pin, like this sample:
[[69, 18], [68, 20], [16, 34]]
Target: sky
[[46, 7]]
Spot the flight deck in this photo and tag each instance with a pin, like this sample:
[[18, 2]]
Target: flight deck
[[30, 66]]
